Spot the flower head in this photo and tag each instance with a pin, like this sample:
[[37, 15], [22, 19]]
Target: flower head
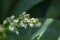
[[11, 28], [24, 20]]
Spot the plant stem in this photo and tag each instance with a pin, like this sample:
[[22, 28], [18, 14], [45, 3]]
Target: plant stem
[[42, 30]]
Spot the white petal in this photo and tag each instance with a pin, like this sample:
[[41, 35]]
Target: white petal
[[4, 22], [13, 16], [17, 32], [38, 25], [24, 13], [32, 18], [34, 21], [31, 25], [11, 28], [23, 25], [11, 23], [26, 20], [16, 20]]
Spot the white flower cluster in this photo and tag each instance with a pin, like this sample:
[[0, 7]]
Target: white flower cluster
[[23, 20]]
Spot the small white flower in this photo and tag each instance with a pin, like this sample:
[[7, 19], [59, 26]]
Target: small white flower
[[27, 14], [32, 18], [16, 20], [22, 21], [34, 21], [24, 13], [38, 25], [11, 23], [31, 25], [13, 16], [4, 22], [17, 32], [23, 25], [26, 20], [11, 28]]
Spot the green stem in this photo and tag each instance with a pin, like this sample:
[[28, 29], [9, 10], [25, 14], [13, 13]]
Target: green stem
[[42, 30], [58, 38]]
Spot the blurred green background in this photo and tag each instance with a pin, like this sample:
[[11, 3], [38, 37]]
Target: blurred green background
[[42, 9]]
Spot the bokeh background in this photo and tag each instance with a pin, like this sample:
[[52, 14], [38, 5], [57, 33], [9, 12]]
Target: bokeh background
[[42, 9]]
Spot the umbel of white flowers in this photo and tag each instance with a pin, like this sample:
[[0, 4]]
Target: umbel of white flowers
[[23, 20]]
